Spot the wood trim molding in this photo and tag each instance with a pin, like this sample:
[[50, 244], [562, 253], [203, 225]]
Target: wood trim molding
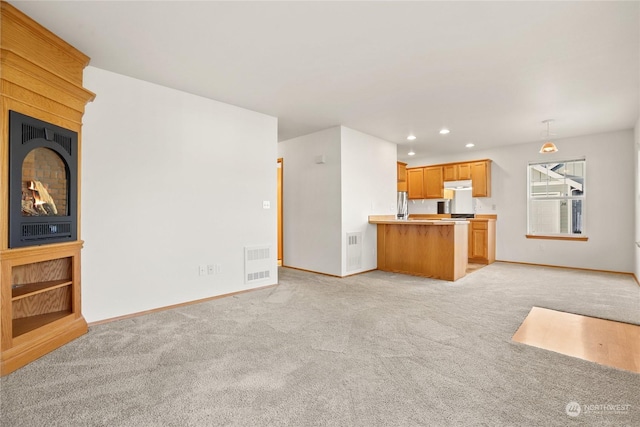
[[594, 270], [182, 304], [571, 238], [451, 163]]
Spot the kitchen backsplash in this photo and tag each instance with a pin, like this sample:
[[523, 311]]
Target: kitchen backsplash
[[484, 205]]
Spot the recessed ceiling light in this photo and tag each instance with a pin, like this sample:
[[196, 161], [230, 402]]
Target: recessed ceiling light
[[411, 153], [469, 145], [444, 131], [411, 137]]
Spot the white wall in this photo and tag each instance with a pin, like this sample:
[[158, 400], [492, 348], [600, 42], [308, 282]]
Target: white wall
[[324, 202], [369, 176], [610, 202], [312, 209], [637, 197], [170, 181]]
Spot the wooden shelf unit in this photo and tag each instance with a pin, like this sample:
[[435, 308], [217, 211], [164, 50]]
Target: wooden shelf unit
[[40, 297], [29, 289], [40, 301]]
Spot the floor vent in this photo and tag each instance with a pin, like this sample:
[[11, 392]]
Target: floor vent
[[354, 251], [257, 264]]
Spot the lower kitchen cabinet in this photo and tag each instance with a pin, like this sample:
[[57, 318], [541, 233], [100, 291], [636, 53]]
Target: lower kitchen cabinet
[[482, 240]]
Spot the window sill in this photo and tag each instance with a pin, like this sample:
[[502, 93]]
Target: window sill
[[549, 237]]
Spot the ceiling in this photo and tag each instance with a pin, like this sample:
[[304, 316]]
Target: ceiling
[[491, 72]]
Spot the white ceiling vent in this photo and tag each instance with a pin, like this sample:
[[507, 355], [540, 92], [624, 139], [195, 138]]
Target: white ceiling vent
[[354, 251], [257, 264]]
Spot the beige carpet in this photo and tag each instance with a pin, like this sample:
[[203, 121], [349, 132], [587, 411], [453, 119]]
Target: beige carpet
[[376, 349]]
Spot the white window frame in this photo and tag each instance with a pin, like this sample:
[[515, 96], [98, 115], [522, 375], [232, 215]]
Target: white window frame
[[552, 232]]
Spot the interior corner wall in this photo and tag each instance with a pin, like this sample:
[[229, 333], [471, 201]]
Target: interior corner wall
[[170, 181], [637, 198], [610, 210], [369, 187], [312, 219]]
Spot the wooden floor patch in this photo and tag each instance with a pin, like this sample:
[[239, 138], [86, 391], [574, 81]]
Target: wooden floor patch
[[601, 341]]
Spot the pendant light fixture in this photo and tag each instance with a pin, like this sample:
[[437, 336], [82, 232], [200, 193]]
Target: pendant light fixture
[[548, 146]]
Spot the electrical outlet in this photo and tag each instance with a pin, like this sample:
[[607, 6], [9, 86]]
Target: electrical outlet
[[203, 270], [266, 204], [214, 269]]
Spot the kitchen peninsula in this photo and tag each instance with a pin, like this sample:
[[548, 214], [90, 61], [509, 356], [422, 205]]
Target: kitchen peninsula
[[422, 247]]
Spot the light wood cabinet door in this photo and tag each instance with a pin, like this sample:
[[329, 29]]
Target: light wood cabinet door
[[457, 172], [481, 179], [402, 176], [464, 171], [482, 241], [415, 183], [433, 182], [450, 172], [478, 245]]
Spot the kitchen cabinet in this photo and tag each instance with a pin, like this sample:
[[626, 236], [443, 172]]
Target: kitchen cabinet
[[415, 183], [481, 178], [482, 241], [402, 176], [433, 182], [436, 249], [427, 182], [457, 171]]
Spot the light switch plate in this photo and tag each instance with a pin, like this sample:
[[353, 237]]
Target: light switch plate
[[266, 204]]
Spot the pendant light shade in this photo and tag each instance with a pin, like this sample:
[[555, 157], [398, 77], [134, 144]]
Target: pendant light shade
[[548, 147]]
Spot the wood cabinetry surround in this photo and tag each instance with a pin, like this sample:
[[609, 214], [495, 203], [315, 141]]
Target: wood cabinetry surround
[[427, 182], [482, 235], [436, 249], [40, 299]]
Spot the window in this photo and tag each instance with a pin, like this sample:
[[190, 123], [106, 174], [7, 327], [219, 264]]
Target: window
[[557, 199]]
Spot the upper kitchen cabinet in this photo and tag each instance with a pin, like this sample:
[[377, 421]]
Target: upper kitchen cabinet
[[457, 171], [481, 178], [427, 182], [415, 183], [433, 182], [402, 176]]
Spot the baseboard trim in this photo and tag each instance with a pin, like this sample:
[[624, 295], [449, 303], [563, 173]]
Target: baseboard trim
[[182, 304], [571, 268], [636, 278], [327, 274]]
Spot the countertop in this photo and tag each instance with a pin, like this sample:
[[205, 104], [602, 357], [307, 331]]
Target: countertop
[[391, 219]]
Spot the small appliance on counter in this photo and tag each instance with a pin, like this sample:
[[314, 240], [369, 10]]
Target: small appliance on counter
[[403, 208], [444, 207]]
